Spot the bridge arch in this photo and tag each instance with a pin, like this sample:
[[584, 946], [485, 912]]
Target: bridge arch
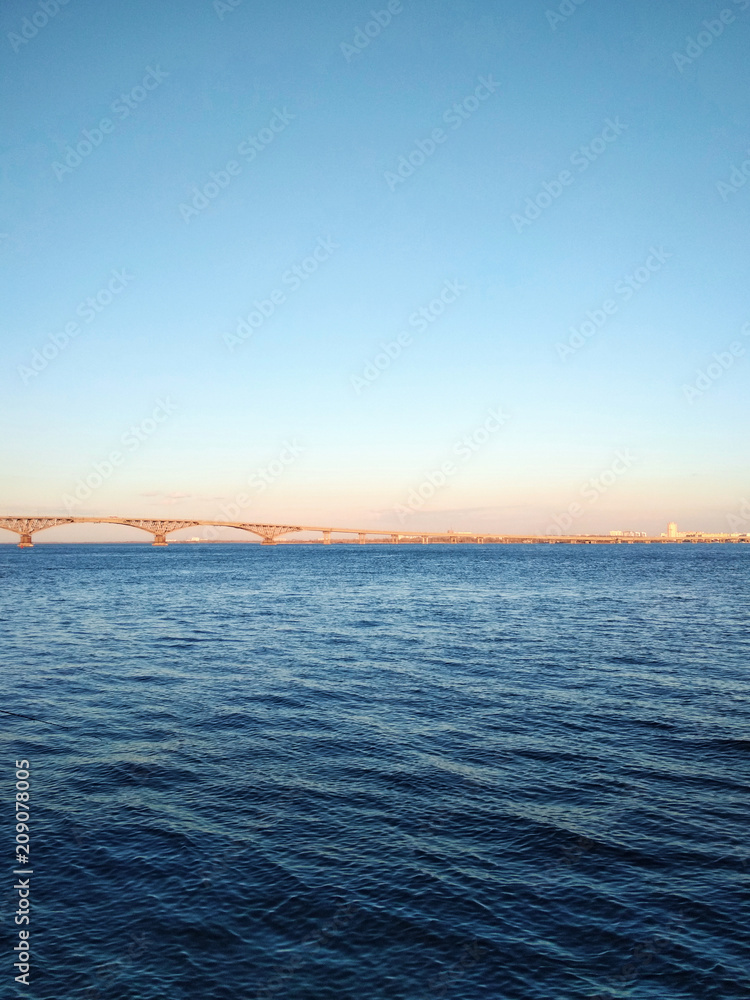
[[26, 527]]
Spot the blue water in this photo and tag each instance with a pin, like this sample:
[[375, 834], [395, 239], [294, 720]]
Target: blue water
[[382, 771]]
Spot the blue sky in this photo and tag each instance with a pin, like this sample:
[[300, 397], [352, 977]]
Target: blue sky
[[304, 133]]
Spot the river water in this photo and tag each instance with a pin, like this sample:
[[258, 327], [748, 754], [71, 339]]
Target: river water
[[370, 772]]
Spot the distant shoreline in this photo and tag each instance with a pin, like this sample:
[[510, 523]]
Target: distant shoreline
[[434, 540]]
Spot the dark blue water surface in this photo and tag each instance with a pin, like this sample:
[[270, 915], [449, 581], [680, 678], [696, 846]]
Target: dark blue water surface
[[376, 772]]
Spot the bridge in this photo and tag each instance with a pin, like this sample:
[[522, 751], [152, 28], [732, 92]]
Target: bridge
[[269, 534], [27, 527]]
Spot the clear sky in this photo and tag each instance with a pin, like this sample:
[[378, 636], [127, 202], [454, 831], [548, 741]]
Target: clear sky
[[514, 170]]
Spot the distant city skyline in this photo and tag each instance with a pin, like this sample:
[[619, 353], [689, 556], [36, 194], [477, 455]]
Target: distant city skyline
[[398, 266]]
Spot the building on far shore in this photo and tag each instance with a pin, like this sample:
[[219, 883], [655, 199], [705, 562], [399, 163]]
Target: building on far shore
[[672, 530]]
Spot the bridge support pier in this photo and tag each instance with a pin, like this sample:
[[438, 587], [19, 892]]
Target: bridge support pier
[[362, 538], [268, 541], [26, 542], [326, 537], [395, 539], [480, 540], [425, 539], [160, 540]]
